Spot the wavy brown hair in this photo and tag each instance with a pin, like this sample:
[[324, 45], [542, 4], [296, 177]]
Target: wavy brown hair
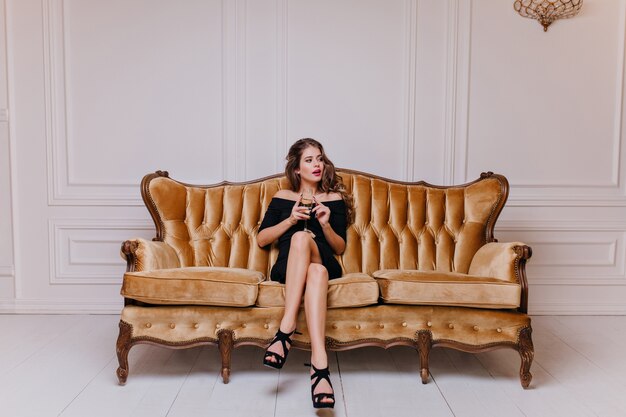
[[331, 181]]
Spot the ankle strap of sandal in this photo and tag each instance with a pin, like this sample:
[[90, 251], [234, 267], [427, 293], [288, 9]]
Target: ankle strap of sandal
[[280, 335], [319, 374]]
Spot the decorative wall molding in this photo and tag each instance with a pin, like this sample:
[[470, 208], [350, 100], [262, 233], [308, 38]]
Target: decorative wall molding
[[459, 36], [592, 194], [282, 53], [411, 87], [535, 280], [604, 240], [572, 200], [61, 306], [616, 185], [555, 225], [69, 239], [451, 88], [576, 309], [7, 271], [63, 188], [234, 89]]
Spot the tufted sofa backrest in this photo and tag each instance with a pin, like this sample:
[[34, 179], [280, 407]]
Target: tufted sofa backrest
[[397, 225]]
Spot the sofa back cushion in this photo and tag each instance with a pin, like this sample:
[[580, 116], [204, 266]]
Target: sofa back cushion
[[397, 225]]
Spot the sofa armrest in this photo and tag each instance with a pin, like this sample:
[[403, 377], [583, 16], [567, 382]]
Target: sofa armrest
[[506, 261], [143, 255]]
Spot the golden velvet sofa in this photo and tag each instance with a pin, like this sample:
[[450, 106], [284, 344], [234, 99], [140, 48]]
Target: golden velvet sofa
[[421, 268]]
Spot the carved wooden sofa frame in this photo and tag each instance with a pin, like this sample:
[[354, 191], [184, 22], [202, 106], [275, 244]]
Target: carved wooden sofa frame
[[386, 242]]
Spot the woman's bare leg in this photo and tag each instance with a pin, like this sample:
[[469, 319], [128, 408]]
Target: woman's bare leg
[[315, 301], [302, 252], [315, 311]]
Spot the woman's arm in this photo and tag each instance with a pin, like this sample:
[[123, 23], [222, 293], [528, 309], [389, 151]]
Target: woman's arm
[[272, 233], [336, 242]]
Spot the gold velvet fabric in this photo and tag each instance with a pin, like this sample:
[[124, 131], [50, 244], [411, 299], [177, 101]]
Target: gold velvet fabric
[[352, 290], [215, 226], [498, 260], [446, 289], [216, 286], [366, 325], [397, 225], [151, 255]]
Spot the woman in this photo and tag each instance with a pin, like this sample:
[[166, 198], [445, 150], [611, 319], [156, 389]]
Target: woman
[[307, 242]]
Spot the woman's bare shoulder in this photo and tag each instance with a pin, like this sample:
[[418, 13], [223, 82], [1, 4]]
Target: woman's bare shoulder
[[286, 194], [332, 196]]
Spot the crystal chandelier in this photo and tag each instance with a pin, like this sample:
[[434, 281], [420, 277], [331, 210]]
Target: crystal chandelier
[[547, 11]]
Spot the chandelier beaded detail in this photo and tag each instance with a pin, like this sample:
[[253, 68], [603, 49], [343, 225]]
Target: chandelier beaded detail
[[547, 11]]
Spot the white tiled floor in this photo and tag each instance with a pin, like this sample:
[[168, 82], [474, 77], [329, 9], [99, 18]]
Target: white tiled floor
[[65, 366]]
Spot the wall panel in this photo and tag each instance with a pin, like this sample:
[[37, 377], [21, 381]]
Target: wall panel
[[6, 215], [93, 95], [564, 253], [7, 269], [88, 251], [127, 83], [346, 80], [535, 115]]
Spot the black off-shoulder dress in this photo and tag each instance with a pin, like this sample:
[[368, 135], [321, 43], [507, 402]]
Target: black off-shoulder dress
[[280, 209]]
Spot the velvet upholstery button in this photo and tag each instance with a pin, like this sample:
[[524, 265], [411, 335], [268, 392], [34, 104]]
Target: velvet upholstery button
[[196, 326], [148, 325], [499, 330], [451, 326], [404, 324], [429, 324], [358, 327], [266, 326], [382, 326], [476, 328], [172, 326]]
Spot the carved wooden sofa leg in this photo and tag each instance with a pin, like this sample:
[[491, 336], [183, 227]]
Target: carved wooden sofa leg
[[424, 345], [225, 344], [123, 347], [527, 352]]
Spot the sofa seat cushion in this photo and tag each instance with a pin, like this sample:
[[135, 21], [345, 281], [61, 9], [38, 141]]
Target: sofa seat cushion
[[446, 288], [215, 286], [351, 290]]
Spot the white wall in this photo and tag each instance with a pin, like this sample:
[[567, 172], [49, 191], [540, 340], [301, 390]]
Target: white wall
[[93, 95], [7, 272]]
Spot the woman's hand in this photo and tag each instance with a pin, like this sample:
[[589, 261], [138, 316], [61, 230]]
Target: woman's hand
[[270, 234], [298, 212], [322, 213]]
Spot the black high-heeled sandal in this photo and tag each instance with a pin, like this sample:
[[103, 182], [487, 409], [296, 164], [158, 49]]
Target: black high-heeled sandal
[[318, 399], [279, 361]]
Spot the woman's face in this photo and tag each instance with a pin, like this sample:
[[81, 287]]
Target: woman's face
[[311, 166]]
